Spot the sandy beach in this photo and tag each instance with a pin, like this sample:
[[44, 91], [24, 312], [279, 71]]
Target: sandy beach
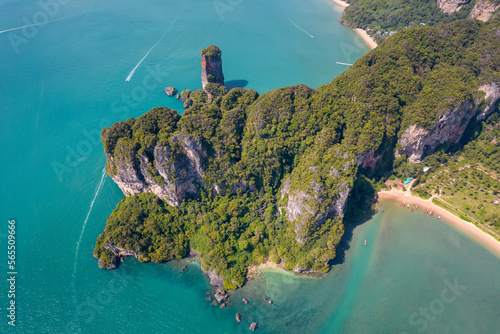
[[467, 228], [341, 3], [252, 270], [368, 40]]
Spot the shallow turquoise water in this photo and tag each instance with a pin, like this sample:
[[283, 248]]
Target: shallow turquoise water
[[409, 259], [63, 81]]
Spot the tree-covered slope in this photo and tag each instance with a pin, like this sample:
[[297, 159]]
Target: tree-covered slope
[[241, 178], [388, 15], [385, 16]]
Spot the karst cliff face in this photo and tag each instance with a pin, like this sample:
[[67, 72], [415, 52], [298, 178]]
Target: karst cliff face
[[451, 6], [417, 141], [314, 194], [273, 175], [211, 65], [483, 10], [167, 174]]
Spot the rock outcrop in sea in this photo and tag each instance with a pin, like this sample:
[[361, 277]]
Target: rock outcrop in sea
[[170, 91], [253, 326], [211, 65]]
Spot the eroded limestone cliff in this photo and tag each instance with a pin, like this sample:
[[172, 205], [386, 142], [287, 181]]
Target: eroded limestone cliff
[[483, 10], [451, 6], [417, 141], [211, 64]]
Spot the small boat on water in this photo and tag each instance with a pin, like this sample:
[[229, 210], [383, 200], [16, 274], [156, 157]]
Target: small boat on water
[[365, 242]]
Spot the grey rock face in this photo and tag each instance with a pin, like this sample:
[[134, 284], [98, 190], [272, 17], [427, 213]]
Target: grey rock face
[[451, 6], [309, 204], [418, 142], [215, 280], [483, 10], [367, 160], [171, 176], [492, 94], [112, 265], [119, 254], [118, 251]]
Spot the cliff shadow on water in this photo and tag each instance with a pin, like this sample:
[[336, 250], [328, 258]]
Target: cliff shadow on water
[[359, 210], [235, 84]]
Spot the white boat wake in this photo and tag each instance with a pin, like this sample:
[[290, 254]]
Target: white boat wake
[[131, 74], [32, 25], [97, 191], [296, 25]]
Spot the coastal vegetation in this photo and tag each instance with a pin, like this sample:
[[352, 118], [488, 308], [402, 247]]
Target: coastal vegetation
[[466, 180], [383, 18], [395, 16], [276, 177]]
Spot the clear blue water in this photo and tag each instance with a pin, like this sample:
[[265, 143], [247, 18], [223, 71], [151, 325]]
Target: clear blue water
[[61, 82]]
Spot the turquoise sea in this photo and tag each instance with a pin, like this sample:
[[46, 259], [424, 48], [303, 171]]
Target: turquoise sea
[[63, 78]]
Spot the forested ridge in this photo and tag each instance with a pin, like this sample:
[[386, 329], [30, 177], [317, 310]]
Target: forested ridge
[[277, 168], [381, 17]]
